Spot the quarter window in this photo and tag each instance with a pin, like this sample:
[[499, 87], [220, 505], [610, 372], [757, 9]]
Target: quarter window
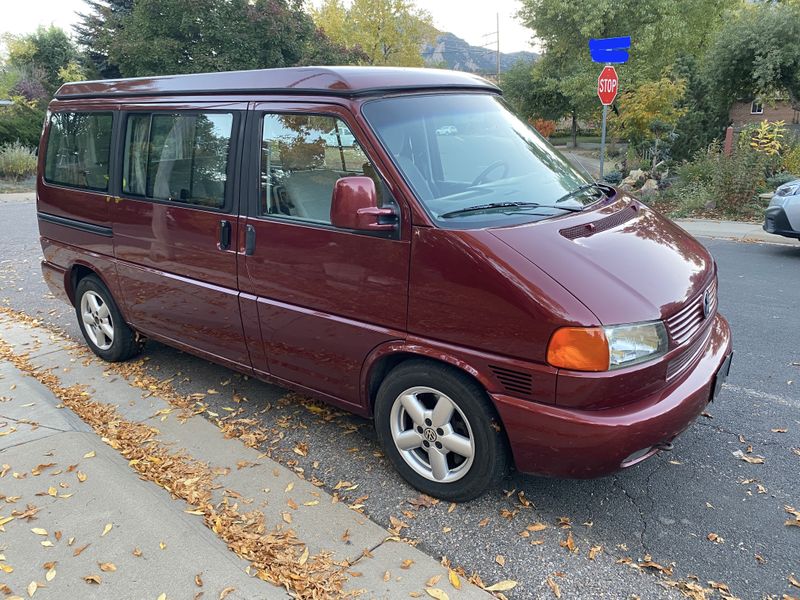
[[302, 157], [78, 150], [178, 157]]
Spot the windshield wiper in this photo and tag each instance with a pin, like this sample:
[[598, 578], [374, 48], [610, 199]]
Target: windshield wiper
[[587, 186], [490, 206]]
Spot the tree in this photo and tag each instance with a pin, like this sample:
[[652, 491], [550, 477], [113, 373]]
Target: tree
[[661, 31], [96, 29], [757, 54], [132, 38], [651, 111], [46, 55], [390, 32]]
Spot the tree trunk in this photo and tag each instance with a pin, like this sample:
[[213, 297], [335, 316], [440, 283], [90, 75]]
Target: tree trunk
[[574, 129]]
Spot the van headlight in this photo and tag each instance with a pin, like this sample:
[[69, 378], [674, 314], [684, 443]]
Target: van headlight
[[633, 344], [606, 348]]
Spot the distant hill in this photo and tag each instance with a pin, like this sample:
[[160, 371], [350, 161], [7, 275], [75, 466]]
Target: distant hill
[[454, 53]]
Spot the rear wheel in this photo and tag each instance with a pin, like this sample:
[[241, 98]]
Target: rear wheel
[[102, 325], [440, 431]]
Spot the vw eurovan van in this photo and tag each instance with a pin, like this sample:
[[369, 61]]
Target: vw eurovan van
[[394, 242]]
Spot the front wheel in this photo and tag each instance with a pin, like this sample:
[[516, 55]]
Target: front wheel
[[440, 431], [102, 325]]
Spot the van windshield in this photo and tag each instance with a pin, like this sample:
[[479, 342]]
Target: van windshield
[[472, 163]]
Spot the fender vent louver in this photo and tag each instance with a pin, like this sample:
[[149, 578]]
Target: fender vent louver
[[609, 222], [516, 383]]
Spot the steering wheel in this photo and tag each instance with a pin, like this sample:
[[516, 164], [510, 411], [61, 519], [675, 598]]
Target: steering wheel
[[481, 178]]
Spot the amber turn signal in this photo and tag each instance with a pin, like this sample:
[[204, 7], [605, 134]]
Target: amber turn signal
[[579, 349]]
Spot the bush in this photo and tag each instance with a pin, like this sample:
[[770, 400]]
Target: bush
[[778, 180], [544, 127], [21, 121], [17, 161], [727, 184], [791, 161], [613, 177]]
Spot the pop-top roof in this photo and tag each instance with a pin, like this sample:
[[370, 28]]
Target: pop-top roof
[[330, 81]]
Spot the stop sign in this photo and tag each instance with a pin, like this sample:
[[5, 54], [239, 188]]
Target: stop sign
[[607, 85]]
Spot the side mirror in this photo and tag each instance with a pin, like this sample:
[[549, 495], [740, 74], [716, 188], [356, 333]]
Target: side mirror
[[355, 205]]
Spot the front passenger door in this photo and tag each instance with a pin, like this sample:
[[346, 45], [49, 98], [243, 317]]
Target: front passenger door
[[324, 297]]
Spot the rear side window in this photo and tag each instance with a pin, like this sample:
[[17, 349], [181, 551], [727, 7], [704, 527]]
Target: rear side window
[[178, 157], [78, 150]]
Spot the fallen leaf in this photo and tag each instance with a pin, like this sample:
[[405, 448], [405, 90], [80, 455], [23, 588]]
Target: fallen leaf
[[39, 531], [77, 551], [502, 586], [227, 591], [794, 581], [554, 587], [483, 522], [406, 564], [107, 567], [89, 454], [569, 543], [6, 568], [50, 575], [715, 538], [753, 459], [92, 579], [162, 545], [500, 560], [162, 596], [594, 551], [537, 527], [454, 580], [287, 518], [303, 557], [32, 587], [779, 430], [106, 529], [136, 552], [437, 593]]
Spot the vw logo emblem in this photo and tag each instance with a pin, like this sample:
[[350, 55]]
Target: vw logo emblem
[[429, 434], [706, 304]]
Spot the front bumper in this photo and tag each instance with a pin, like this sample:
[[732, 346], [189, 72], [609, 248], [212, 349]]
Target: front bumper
[[560, 442], [776, 221]]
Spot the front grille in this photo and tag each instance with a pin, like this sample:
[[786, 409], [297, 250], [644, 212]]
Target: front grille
[[686, 322], [515, 382], [685, 358]]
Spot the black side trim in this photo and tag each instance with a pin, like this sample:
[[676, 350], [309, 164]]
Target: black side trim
[[76, 224], [378, 91]]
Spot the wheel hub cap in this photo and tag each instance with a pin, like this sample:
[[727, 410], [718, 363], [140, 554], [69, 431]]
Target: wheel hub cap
[[432, 434]]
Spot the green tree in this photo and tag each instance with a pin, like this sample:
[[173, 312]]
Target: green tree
[[47, 54], [95, 30], [756, 54], [132, 38], [390, 32]]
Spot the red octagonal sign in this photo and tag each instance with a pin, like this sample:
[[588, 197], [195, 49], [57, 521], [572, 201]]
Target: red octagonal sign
[[607, 85]]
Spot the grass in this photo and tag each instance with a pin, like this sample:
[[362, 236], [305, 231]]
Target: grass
[[8, 186]]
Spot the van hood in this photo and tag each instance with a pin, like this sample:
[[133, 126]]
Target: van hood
[[625, 262]]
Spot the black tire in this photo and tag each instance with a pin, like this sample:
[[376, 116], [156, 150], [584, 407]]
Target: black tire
[[490, 460], [124, 343]]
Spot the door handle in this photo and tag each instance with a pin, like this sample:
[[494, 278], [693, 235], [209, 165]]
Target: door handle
[[249, 240], [224, 235]]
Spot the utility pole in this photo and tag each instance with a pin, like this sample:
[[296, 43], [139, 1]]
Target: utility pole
[[498, 47]]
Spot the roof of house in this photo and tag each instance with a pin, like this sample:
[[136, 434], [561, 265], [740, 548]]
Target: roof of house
[[330, 81]]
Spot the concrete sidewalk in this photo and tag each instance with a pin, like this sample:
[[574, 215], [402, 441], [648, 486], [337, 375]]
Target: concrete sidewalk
[[78, 486], [733, 230]]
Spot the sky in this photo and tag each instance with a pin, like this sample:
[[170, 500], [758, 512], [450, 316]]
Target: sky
[[471, 20]]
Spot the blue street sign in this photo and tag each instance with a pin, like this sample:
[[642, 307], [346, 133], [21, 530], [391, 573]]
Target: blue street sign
[[610, 50]]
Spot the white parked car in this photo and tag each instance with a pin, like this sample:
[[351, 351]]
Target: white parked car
[[782, 216]]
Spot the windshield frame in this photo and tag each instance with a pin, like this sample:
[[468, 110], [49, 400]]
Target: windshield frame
[[515, 217]]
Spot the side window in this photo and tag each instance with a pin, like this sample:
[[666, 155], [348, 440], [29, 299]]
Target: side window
[[78, 150], [302, 157], [178, 157]]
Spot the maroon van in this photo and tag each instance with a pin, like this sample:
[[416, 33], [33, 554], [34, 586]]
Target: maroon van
[[395, 242]]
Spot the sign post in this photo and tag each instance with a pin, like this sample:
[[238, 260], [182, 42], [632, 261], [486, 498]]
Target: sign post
[[608, 50], [607, 88]]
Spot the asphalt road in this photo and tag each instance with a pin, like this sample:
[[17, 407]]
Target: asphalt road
[[665, 507]]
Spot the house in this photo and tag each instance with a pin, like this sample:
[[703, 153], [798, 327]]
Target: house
[[742, 113]]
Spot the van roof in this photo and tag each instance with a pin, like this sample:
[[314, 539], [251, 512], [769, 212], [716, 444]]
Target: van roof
[[330, 81]]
